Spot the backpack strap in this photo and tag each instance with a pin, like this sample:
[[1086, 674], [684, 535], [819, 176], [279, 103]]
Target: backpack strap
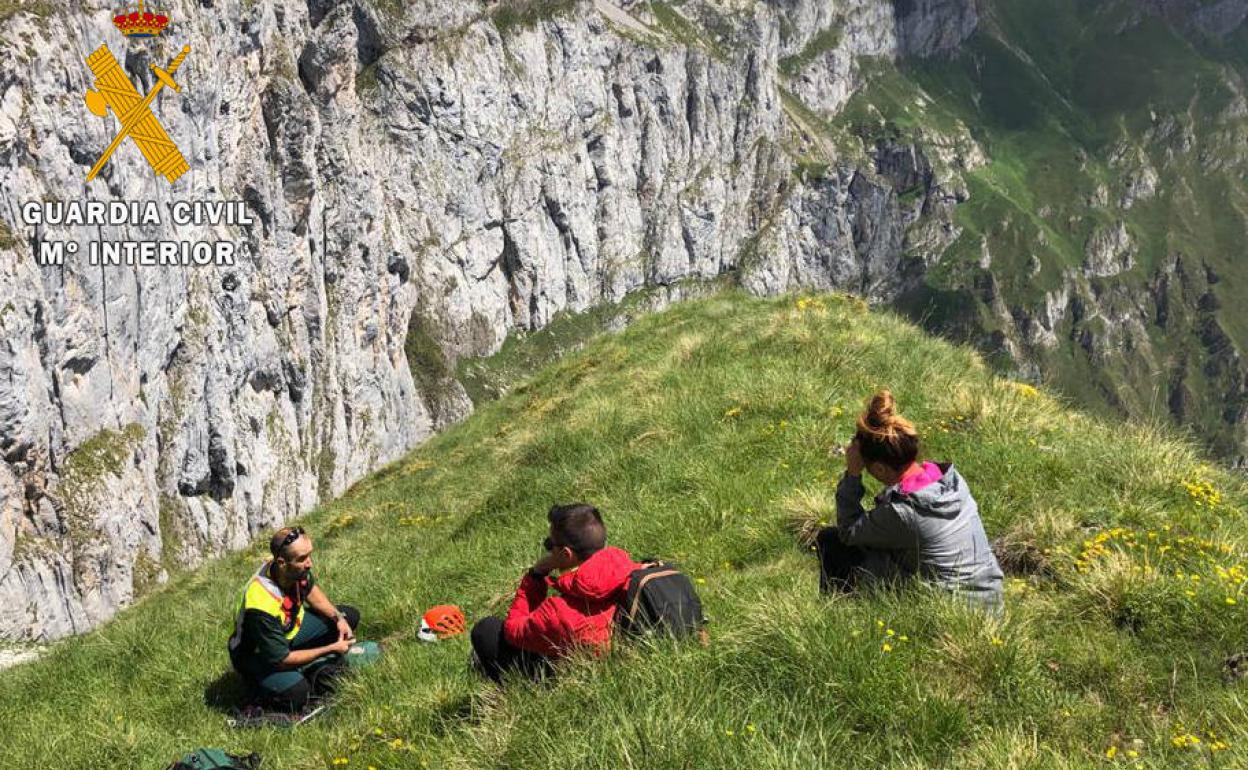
[[641, 584]]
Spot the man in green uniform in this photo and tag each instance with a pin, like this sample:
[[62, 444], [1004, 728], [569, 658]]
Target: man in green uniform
[[277, 647]]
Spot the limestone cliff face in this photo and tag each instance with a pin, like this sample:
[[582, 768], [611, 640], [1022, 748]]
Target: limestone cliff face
[[439, 172]]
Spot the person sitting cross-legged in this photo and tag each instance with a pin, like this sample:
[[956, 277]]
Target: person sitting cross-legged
[[280, 649], [541, 627], [924, 523]]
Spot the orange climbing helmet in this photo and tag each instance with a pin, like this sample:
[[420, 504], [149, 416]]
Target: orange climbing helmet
[[442, 621]]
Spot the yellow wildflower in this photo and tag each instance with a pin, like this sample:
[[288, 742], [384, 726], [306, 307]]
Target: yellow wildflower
[[1184, 740], [1025, 390]]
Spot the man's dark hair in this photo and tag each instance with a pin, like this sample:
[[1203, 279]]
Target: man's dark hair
[[579, 527], [281, 541]]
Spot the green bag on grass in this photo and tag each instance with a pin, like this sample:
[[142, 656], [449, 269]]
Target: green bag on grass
[[362, 654], [216, 759]]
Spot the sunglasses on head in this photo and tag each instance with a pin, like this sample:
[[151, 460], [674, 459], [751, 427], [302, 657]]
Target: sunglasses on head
[[294, 534]]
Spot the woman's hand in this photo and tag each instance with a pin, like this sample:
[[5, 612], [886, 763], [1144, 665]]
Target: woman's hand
[[853, 459]]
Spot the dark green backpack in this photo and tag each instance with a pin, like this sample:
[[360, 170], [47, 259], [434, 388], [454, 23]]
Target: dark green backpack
[[215, 759]]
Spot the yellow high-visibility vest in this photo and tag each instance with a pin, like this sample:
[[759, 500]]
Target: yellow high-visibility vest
[[262, 593]]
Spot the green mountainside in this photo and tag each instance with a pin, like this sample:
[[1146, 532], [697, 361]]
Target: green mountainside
[[704, 434], [1102, 245]]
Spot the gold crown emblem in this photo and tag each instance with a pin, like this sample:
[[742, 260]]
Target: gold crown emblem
[[141, 23]]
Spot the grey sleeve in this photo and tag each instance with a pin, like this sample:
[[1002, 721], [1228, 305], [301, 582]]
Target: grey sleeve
[[882, 527]]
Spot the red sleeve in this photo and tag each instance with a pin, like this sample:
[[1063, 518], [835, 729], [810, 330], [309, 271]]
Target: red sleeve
[[533, 621]]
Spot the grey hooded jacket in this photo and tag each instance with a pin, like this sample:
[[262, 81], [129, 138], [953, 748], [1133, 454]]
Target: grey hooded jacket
[[934, 532]]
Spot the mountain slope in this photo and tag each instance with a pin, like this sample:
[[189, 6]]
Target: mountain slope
[[1098, 154], [1061, 183], [703, 433], [423, 177]]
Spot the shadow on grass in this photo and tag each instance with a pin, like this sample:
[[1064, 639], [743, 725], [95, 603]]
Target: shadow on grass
[[451, 715], [227, 693]]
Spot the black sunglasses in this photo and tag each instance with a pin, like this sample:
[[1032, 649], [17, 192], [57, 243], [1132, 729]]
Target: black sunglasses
[[549, 544], [294, 534]]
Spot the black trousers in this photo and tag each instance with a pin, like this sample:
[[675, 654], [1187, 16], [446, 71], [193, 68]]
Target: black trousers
[[838, 562], [495, 655], [291, 689]]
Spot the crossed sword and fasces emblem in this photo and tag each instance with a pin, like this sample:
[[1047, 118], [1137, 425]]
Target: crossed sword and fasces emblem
[[134, 112]]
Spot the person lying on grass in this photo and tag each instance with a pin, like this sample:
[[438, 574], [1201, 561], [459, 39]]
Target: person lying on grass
[[924, 522], [278, 648], [541, 627]]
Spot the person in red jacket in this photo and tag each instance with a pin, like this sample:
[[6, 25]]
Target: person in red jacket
[[541, 627]]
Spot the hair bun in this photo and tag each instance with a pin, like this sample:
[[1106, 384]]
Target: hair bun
[[881, 410], [881, 419], [885, 436]]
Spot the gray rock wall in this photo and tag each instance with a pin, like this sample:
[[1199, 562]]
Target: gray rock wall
[[408, 165], [933, 27]]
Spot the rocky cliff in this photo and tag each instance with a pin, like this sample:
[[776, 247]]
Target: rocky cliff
[[428, 178], [425, 178]]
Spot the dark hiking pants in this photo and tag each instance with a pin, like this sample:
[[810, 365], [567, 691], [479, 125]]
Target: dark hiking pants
[[494, 655], [838, 562], [290, 689]]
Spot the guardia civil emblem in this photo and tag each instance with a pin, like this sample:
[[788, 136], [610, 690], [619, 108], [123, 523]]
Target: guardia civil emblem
[[114, 91]]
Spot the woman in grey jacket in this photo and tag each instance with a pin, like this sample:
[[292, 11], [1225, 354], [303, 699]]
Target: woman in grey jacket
[[924, 522]]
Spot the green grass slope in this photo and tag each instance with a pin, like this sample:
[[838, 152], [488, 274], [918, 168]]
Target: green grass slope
[[703, 432]]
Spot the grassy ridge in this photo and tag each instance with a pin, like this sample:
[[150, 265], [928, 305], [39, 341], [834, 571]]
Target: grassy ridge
[[703, 433]]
